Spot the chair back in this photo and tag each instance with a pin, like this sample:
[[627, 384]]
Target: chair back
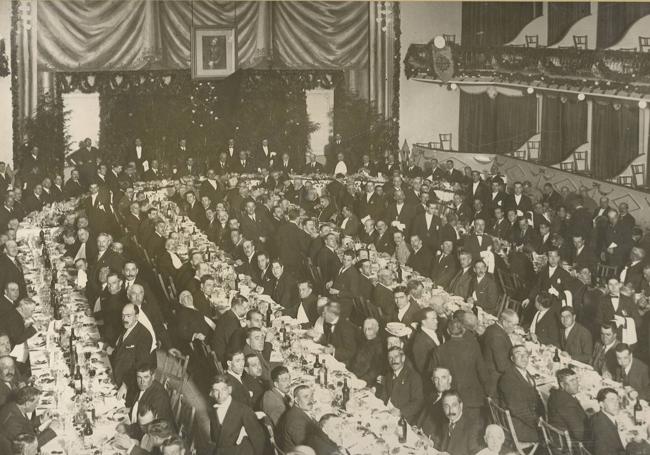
[[625, 180], [639, 174], [580, 41], [644, 44], [449, 39], [605, 272], [532, 40], [265, 420], [557, 442], [520, 154], [185, 423], [580, 159], [533, 150], [445, 141], [580, 450], [174, 369], [568, 166]]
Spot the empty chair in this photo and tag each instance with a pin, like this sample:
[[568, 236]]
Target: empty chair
[[532, 40], [445, 141], [580, 160], [638, 174], [533, 150], [625, 180], [644, 43], [568, 166], [449, 39], [520, 154], [580, 42], [501, 417], [557, 442]]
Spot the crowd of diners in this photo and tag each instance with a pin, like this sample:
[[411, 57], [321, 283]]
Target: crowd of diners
[[438, 378]]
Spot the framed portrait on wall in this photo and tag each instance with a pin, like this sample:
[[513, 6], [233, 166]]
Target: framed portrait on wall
[[214, 53]]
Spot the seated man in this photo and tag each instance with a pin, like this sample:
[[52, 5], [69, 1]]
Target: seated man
[[151, 394], [433, 417], [603, 428], [518, 393], [339, 334], [402, 387], [460, 433], [575, 339], [632, 372], [14, 420], [370, 358], [277, 399], [564, 409]]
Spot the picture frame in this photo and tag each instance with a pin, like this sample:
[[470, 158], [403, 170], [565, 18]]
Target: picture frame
[[213, 52]]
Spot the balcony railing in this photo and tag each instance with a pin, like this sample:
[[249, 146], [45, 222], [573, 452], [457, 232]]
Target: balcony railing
[[604, 70]]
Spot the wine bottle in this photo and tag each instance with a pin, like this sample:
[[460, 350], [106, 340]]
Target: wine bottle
[[269, 315], [399, 273], [71, 350], [346, 393], [316, 368], [403, 427], [637, 412], [283, 334], [78, 381], [556, 357], [323, 374]]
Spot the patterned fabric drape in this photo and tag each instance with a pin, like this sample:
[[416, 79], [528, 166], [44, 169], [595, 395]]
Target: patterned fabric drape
[[562, 15], [615, 18], [495, 23], [93, 35], [495, 125], [564, 128], [614, 138]]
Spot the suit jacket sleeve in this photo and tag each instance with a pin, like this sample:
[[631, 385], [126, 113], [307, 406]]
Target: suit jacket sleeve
[[254, 431], [414, 406]]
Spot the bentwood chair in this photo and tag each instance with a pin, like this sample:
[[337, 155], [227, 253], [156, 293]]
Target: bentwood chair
[[265, 420], [533, 150], [174, 369], [520, 154], [185, 422], [604, 272], [580, 42], [532, 40], [644, 44], [445, 141], [638, 175], [580, 450], [557, 442], [580, 160], [625, 180], [568, 166], [502, 417]]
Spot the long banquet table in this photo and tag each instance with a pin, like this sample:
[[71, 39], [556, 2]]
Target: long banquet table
[[366, 425]]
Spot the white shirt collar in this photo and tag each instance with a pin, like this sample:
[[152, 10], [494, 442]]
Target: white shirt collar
[[402, 312], [432, 334]]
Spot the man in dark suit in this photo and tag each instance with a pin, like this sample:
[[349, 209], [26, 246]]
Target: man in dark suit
[[73, 187], [296, 427], [328, 260], [264, 156], [478, 241], [564, 409], [427, 226], [432, 419], [402, 386], [461, 355], [369, 204], [253, 381], [228, 326], [292, 244], [451, 174], [347, 284], [424, 343], [277, 399], [518, 392], [138, 155], [383, 297], [190, 324], [496, 345], [131, 351], [14, 420], [479, 189], [221, 167], [484, 291], [313, 167], [576, 339], [401, 211], [421, 259], [497, 197], [518, 201], [152, 395], [445, 265], [407, 310], [603, 426], [285, 289], [632, 272], [614, 306], [460, 433], [308, 303], [500, 227], [230, 420], [632, 372], [604, 357], [460, 284], [370, 358], [384, 242], [545, 327], [583, 255], [550, 278], [339, 334], [12, 271], [243, 165]]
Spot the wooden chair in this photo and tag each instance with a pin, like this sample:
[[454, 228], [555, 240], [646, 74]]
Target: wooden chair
[[605, 272], [580, 160], [533, 150], [625, 180], [520, 154], [638, 175], [445, 141], [532, 40], [557, 442], [501, 417], [449, 39], [435, 145], [580, 42], [175, 369], [185, 423], [644, 43], [315, 275], [580, 450], [568, 166], [268, 427]]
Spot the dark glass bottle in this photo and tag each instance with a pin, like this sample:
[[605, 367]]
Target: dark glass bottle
[[556, 356], [316, 368], [78, 382], [345, 391], [403, 428], [637, 412]]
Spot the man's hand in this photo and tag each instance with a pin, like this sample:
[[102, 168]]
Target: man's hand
[[109, 350], [329, 284], [334, 291], [533, 338], [525, 302], [121, 392], [123, 442], [175, 352], [198, 336]]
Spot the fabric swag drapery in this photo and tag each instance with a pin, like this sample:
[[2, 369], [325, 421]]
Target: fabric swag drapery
[[495, 23], [615, 18], [614, 138], [564, 128], [82, 35], [497, 124], [562, 15]]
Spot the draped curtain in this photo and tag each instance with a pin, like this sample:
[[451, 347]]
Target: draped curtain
[[615, 18], [614, 138], [562, 15], [564, 128], [495, 23], [495, 125], [91, 35]]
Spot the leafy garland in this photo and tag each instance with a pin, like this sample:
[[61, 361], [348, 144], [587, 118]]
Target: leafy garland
[[4, 61], [47, 131], [15, 84], [397, 58]]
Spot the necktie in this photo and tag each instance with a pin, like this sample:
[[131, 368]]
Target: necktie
[[327, 330], [451, 428], [287, 401]]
